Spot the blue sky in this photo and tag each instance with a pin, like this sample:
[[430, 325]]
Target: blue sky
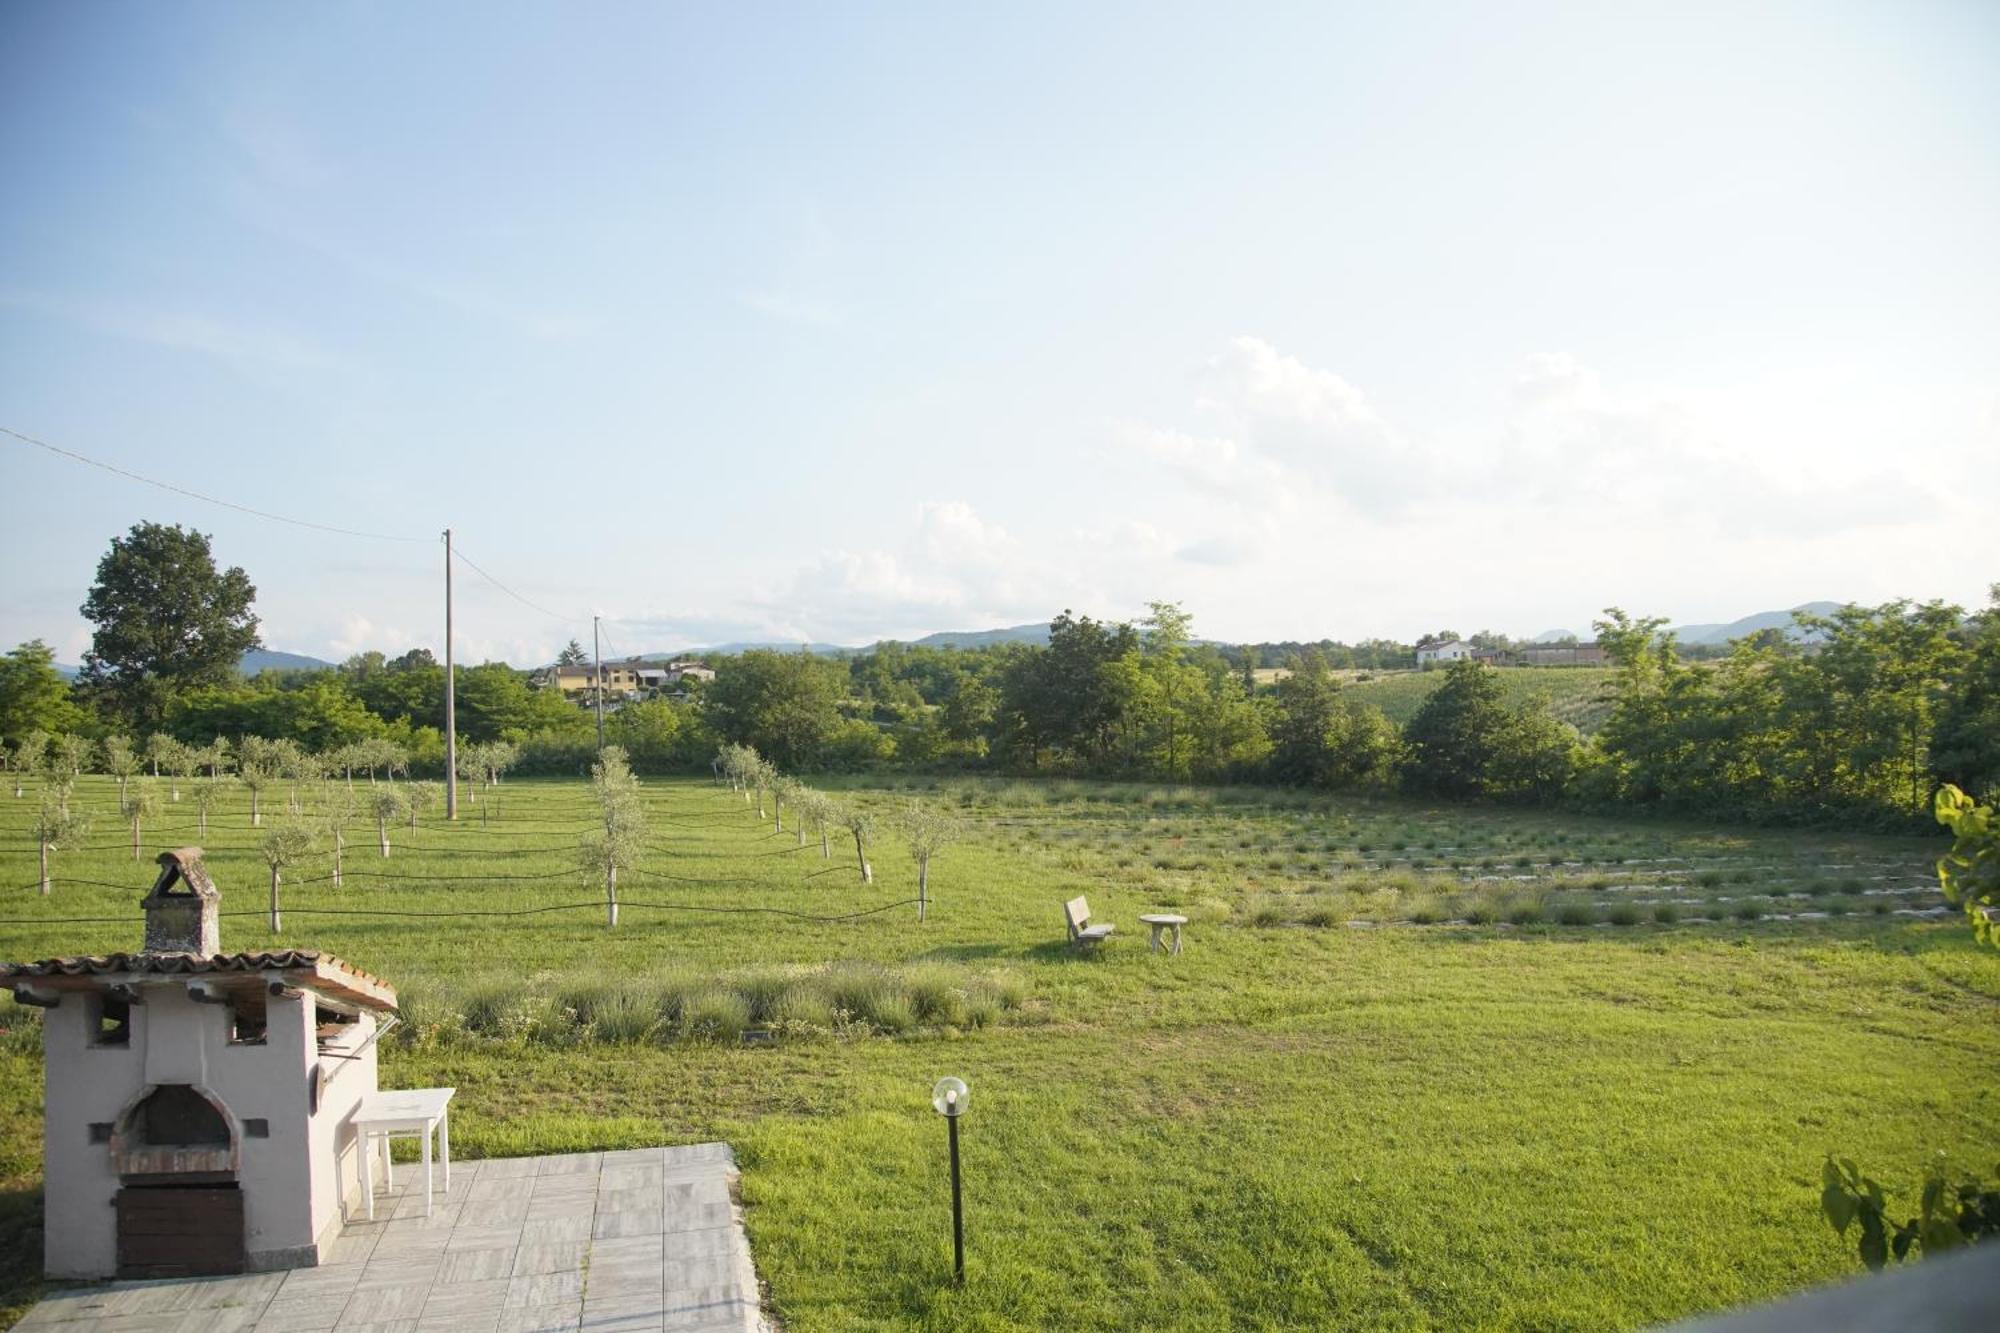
[[837, 322]]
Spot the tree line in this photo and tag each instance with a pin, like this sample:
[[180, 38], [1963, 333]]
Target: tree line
[[1858, 716]]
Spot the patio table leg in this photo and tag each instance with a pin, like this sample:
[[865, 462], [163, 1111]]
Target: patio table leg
[[427, 1170], [444, 1142], [362, 1148]]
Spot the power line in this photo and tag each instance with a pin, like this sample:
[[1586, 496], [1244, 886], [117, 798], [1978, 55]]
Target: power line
[[458, 552], [206, 499]]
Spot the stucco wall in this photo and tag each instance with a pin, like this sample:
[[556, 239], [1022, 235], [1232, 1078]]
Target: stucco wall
[[294, 1181]]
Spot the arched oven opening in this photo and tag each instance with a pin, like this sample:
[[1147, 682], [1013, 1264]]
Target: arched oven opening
[[180, 1211]]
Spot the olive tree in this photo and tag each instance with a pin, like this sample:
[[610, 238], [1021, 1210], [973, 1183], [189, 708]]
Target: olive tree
[[27, 756], [121, 761], [136, 804], [208, 793], [62, 762], [817, 806], [617, 843], [387, 804], [927, 829], [257, 764], [861, 824], [56, 828], [284, 843], [182, 762], [337, 809], [422, 796]]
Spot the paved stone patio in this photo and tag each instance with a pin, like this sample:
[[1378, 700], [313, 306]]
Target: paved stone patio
[[642, 1241]]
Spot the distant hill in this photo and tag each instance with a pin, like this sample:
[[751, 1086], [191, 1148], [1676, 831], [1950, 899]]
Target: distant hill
[[267, 659], [254, 661], [1744, 628], [1037, 633]]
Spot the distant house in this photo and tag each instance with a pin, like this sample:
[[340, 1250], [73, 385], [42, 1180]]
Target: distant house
[[633, 678], [1450, 650], [1563, 654]]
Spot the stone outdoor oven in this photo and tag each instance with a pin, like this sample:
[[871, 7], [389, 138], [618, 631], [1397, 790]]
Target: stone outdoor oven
[[196, 1104]]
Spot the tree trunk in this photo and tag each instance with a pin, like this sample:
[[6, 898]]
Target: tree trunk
[[861, 854], [760, 803], [45, 870], [17, 786], [201, 817], [611, 896], [135, 840], [413, 815], [256, 816], [923, 885], [778, 811], [277, 922], [799, 827], [382, 831], [339, 844], [177, 791], [825, 852]]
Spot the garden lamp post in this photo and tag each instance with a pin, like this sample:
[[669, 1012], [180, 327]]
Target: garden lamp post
[[949, 1098]]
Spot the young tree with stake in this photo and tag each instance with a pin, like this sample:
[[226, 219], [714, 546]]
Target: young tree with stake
[[422, 796], [208, 793], [388, 805], [337, 808], [28, 752], [284, 843], [818, 807], [862, 825], [62, 763], [56, 828], [257, 765], [121, 761], [615, 846], [137, 803], [928, 830]]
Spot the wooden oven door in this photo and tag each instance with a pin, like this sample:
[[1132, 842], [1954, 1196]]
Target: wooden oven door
[[180, 1230]]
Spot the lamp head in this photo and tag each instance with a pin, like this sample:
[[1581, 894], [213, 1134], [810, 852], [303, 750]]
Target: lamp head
[[950, 1096]]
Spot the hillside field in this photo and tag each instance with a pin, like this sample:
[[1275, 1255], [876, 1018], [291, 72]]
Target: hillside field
[[1577, 695], [1419, 1066]]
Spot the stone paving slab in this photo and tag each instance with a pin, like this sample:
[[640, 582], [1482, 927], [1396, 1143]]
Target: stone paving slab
[[644, 1240]]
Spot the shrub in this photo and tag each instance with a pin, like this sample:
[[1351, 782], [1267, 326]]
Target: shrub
[[1525, 912], [1576, 914], [1666, 913], [934, 997], [1425, 911], [715, 1015], [1623, 914], [1480, 912], [1268, 914], [763, 991], [1747, 909]]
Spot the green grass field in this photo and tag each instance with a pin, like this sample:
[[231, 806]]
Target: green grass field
[[1602, 1104], [1577, 695]]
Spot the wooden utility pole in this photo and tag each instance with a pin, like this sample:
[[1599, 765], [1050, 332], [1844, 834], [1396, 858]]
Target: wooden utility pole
[[450, 697], [597, 652]]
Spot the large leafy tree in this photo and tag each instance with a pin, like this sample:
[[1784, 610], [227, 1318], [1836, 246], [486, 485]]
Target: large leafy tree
[[168, 621], [786, 705], [33, 695]]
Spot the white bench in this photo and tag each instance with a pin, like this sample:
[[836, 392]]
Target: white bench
[[1076, 913]]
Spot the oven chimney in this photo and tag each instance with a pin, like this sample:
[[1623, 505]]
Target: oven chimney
[[181, 908]]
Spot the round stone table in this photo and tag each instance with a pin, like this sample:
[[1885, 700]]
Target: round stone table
[[1163, 921]]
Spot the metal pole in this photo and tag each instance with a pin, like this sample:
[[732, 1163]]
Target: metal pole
[[957, 1209], [450, 697], [597, 651]]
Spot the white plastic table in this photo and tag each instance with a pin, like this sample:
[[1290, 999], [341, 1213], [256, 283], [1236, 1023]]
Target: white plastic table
[[1161, 921], [403, 1111]]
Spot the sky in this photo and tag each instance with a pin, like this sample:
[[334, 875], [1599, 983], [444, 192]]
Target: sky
[[790, 322]]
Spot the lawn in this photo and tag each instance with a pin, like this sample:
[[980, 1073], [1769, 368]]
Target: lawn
[[1602, 1105]]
